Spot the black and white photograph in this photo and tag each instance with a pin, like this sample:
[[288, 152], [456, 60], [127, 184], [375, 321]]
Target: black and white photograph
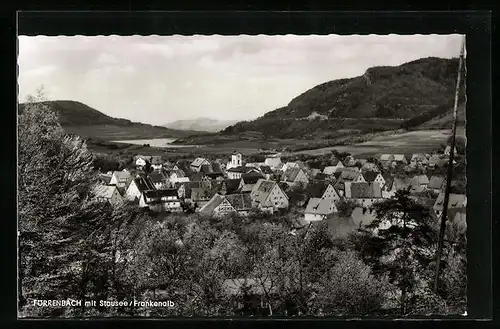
[[242, 176]]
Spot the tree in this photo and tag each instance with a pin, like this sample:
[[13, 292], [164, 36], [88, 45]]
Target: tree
[[62, 236], [345, 207], [400, 243]]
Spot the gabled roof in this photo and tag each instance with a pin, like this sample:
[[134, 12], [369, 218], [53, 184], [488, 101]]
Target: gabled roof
[[239, 169], [232, 185], [206, 168], [455, 201], [436, 182], [214, 202], [261, 190], [401, 183], [319, 206], [386, 157], [370, 176], [215, 175], [105, 178], [144, 183], [365, 190], [251, 178], [348, 175], [179, 173], [239, 202], [335, 162], [122, 175], [184, 166], [198, 162], [419, 180], [201, 193], [197, 176], [291, 174], [105, 191], [399, 157], [157, 177], [368, 166]]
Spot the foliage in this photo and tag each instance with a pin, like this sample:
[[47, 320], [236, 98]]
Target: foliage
[[345, 207]]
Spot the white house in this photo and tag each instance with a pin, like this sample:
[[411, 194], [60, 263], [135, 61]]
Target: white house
[[120, 178], [330, 193], [236, 161], [137, 186], [273, 162], [160, 200], [365, 194], [319, 208], [268, 196], [236, 172], [336, 165], [225, 204]]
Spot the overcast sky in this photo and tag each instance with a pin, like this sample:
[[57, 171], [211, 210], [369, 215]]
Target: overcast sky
[[159, 79]]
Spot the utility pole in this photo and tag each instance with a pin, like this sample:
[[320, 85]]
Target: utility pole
[[449, 173]]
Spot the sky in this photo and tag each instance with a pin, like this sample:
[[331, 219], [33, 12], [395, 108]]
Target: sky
[[160, 79]]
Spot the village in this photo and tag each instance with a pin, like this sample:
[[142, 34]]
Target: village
[[221, 187]]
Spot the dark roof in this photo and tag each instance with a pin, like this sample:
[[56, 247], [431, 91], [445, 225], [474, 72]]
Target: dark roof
[[232, 185], [105, 178], [365, 190], [370, 175], [185, 167], [206, 168], [216, 167], [196, 177], [239, 201], [239, 169], [266, 169], [157, 177], [214, 174], [160, 193], [251, 178], [144, 183]]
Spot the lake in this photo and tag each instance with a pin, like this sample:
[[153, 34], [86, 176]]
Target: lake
[[154, 142]]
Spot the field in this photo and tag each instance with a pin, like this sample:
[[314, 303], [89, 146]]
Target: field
[[420, 141], [117, 132]]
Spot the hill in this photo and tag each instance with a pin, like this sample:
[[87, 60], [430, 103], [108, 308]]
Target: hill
[[383, 98], [201, 124], [82, 120]]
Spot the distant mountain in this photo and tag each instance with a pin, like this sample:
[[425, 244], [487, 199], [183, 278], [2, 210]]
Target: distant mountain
[[82, 120], [201, 124], [383, 98]]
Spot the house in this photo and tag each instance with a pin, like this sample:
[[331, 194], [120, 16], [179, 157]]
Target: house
[[434, 160], [340, 188], [177, 176], [455, 201], [160, 200], [236, 172], [199, 177], [373, 176], [331, 169], [289, 165], [229, 203], [394, 184], [330, 193], [365, 194], [141, 161], [201, 195], [273, 162], [121, 179], [184, 166], [349, 161], [108, 193], [137, 186], [386, 160], [447, 150], [268, 196], [295, 175], [156, 162], [197, 163], [159, 180], [215, 175], [230, 186], [266, 171], [319, 208], [419, 183], [400, 159], [184, 189], [206, 169], [436, 183], [369, 166], [236, 161], [419, 159], [251, 178], [351, 176], [105, 179]]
